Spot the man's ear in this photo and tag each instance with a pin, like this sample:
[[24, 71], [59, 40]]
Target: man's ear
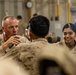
[[30, 34], [3, 29]]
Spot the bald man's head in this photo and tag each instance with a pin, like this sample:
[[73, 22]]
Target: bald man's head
[[7, 19], [9, 26]]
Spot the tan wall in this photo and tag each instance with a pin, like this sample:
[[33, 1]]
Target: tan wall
[[41, 7], [48, 8]]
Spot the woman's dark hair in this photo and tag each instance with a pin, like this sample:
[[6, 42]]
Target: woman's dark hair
[[19, 17], [70, 25]]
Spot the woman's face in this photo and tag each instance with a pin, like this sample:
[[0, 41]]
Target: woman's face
[[69, 35]]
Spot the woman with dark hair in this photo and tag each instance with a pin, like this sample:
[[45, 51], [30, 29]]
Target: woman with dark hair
[[69, 35]]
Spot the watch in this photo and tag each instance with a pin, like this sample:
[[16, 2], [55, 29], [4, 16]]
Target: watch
[[29, 4]]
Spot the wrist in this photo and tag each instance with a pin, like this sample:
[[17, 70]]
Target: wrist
[[4, 46]]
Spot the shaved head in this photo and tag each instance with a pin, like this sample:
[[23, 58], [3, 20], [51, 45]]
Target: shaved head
[[6, 20]]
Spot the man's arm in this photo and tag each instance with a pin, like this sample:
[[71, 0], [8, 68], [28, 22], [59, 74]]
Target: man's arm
[[13, 40], [2, 51]]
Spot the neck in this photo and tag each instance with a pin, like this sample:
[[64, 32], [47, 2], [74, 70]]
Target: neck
[[71, 45]]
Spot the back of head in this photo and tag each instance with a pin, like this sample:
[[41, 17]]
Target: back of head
[[39, 25], [19, 17], [6, 18], [49, 39], [58, 38], [35, 14]]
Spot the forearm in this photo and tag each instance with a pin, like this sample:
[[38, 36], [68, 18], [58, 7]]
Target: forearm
[[4, 46]]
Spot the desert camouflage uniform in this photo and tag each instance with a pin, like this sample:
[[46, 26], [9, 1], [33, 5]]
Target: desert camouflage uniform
[[27, 53], [2, 52], [53, 37], [22, 26], [64, 46], [64, 58]]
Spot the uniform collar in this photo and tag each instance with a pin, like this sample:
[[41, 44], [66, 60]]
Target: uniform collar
[[39, 39]]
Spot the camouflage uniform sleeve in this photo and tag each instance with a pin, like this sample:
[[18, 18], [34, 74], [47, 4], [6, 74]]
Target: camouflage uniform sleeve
[[2, 52], [24, 39], [27, 59]]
